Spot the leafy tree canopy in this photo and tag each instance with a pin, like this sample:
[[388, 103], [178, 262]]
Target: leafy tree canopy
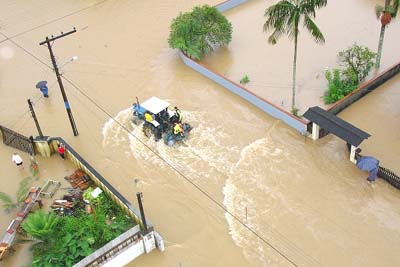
[[392, 8], [357, 60], [198, 32], [40, 225]]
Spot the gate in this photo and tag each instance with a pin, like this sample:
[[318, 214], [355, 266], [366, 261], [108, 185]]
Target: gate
[[16, 140]]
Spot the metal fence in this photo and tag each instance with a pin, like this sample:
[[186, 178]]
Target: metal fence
[[16, 140], [389, 176]]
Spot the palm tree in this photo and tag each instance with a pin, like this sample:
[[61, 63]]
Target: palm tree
[[385, 14], [40, 225], [284, 18]]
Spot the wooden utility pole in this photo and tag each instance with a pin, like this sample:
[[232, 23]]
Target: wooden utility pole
[[34, 118], [53, 60]]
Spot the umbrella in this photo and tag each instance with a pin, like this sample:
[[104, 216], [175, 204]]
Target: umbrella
[[367, 163], [41, 84]]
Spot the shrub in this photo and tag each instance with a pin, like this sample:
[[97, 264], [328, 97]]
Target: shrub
[[77, 236], [197, 33], [295, 112], [357, 62], [337, 86], [40, 225], [23, 189], [7, 202], [245, 79]]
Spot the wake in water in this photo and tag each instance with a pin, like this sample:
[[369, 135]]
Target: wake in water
[[266, 182], [210, 155], [203, 154]]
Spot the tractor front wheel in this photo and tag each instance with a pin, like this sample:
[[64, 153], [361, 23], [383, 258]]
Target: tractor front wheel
[[147, 130]]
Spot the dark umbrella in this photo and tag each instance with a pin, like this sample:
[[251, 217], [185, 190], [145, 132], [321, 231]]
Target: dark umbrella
[[41, 84], [367, 163]]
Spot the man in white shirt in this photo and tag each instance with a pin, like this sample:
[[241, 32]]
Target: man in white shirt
[[17, 159]]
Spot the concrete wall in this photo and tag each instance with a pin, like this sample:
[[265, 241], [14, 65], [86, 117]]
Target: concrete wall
[[364, 89], [111, 251], [263, 104], [221, 7], [98, 179], [128, 245]]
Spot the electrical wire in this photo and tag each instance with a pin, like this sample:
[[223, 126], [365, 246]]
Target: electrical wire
[[205, 193], [54, 20]]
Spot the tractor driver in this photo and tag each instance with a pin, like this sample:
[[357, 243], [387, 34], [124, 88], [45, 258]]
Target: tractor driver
[[177, 117], [178, 129]]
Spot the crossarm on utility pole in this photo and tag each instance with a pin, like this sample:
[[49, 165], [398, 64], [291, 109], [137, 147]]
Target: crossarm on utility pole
[[53, 60]]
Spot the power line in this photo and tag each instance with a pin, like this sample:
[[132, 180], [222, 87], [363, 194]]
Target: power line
[[54, 20], [182, 174], [205, 193]]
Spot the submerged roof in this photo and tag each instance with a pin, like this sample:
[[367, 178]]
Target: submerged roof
[[155, 105], [335, 125]]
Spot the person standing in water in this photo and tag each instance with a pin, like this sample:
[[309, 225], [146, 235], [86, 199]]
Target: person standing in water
[[61, 150], [17, 159]]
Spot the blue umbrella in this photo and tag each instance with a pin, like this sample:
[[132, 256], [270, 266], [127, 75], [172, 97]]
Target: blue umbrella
[[367, 163], [41, 84]]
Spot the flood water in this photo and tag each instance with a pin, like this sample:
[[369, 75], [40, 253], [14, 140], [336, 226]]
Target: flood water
[[269, 67], [308, 205], [381, 121]]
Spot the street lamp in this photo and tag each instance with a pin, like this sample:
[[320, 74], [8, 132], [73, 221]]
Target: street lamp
[[49, 42], [69, 61]]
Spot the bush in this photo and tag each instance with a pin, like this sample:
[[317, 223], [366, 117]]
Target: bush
[[357, 62], [337, 86], [245, 79], [77, 236], [40, 225], [197, 33]]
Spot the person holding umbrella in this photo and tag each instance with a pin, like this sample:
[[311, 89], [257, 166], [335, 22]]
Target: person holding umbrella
[[42, 86], [369, 164]]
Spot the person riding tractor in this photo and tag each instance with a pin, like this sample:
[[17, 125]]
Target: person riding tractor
[[177, 117], [178, 129], [158, 120]]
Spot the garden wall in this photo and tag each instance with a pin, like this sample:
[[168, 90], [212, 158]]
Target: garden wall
[[100, 181], [364, 89], [263, 104], [122, 250], [221, 7]]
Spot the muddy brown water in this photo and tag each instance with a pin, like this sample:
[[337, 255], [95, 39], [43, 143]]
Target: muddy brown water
[[304, 198], [269, 67]]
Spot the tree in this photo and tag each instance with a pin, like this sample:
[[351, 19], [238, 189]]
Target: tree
[[385, 14], [284, 18], [23, 189], [40, 225], [198, 32], [338, 85], [358, 61]]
